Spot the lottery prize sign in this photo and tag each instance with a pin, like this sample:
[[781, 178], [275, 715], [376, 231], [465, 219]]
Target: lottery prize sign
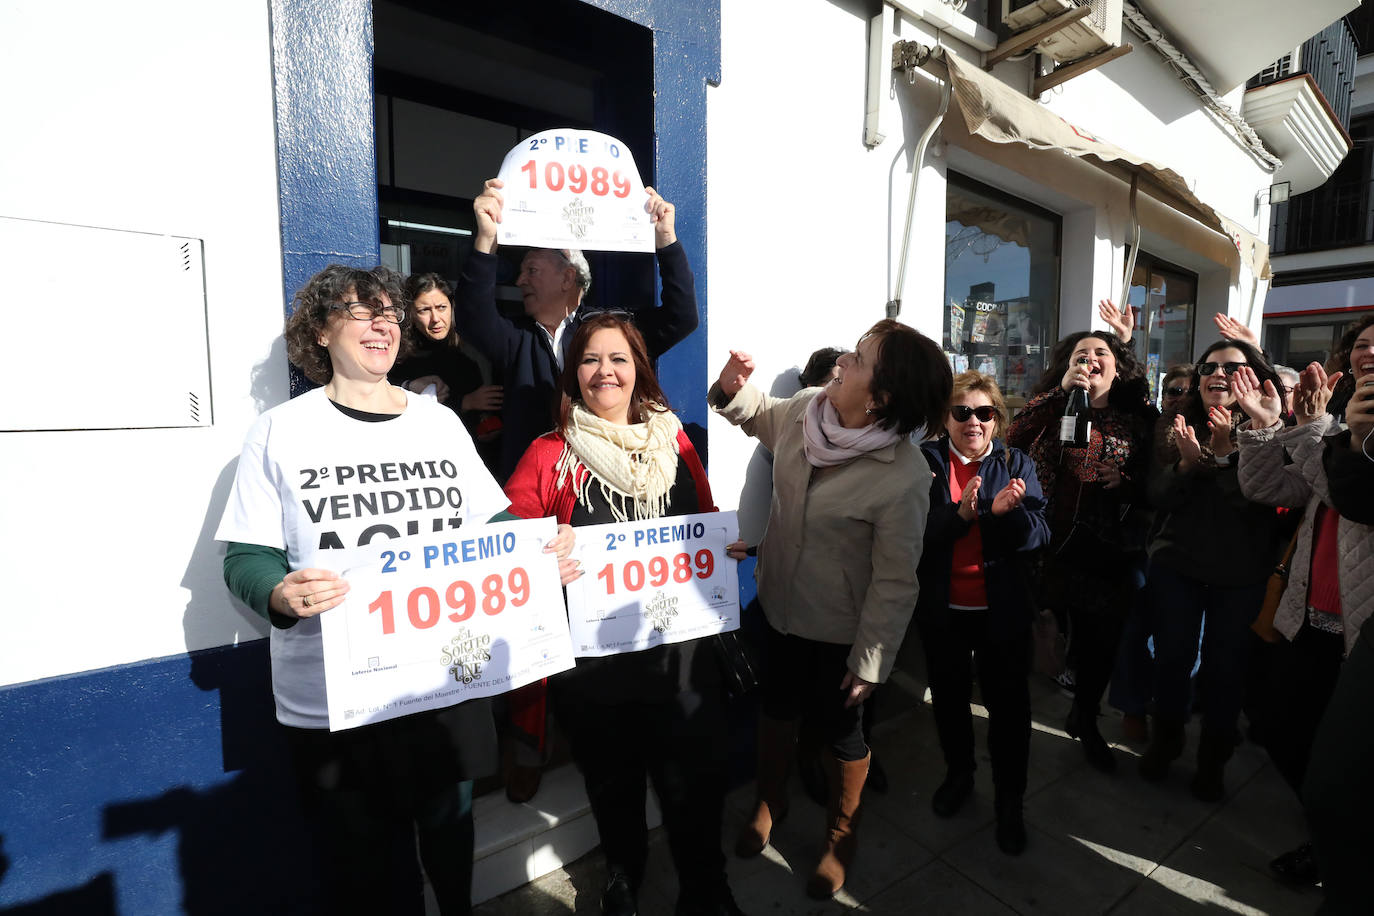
[[653, 582], [432, 621], [569, 188]]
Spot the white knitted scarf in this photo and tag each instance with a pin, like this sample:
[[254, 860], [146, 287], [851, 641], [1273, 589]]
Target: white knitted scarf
[[635, 465]]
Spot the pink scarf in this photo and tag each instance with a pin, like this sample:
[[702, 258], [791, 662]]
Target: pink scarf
[[828, 443]]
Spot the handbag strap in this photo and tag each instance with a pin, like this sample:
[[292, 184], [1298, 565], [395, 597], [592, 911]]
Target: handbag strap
[[1287, 561]]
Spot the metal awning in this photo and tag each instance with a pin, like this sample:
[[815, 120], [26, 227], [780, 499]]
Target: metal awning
[[997, 113]]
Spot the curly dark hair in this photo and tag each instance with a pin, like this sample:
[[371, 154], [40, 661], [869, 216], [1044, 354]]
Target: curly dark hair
[[1191, 408], [647, 391], [1128, 368], [911, 381], [311, 313], [1340, 362]]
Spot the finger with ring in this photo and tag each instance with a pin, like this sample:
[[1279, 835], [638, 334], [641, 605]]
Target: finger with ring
[[306, 602]]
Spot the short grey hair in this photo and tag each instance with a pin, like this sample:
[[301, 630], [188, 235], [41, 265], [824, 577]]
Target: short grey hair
[[578, 262], [1288, 372]]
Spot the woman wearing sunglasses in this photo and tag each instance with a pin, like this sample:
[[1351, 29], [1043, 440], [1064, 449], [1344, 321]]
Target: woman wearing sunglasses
[[986, 516], [1210, 559], [1093, 497]]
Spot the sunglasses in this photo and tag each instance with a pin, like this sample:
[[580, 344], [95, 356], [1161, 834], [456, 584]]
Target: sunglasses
[[1209, 368], [1175, 391], [961, 413]]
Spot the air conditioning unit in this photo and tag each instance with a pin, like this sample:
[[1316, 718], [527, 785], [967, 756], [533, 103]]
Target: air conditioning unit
[[1098, 31]]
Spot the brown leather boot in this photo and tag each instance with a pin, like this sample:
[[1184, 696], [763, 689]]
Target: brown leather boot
[[777, 737], [842, 825]]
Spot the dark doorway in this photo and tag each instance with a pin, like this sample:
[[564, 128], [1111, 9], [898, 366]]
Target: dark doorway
[[458, 85]]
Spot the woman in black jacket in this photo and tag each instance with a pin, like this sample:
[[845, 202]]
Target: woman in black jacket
[[986, 516], [1211, 554], [1094, 500]]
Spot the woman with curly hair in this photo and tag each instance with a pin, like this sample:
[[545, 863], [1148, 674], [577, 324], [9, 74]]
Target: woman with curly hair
[[1094, 504], [376, 795], [1210, 558]]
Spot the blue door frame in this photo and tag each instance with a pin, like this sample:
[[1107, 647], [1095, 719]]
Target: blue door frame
[[322, 63]]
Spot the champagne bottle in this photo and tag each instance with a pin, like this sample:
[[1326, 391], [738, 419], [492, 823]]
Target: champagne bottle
[[1076, 427]]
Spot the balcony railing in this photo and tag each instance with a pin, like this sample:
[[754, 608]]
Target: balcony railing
[[1335, 215], [1329, 58]]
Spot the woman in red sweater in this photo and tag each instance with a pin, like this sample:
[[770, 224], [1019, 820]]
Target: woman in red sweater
[[619, 454]]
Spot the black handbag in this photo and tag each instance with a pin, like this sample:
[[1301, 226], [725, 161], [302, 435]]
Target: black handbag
[[739, 662]]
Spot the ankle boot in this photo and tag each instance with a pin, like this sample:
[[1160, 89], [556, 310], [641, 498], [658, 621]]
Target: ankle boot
[[1082, 724], [842, 825], [1214, 748], [1011, 825], [1166, 744], [776, 740]]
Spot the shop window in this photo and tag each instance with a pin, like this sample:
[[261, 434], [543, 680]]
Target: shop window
[[1001, 285], [1297, 345], [1165, 298]]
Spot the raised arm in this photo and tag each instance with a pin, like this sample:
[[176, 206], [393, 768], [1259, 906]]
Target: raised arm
[[474, 297], [676, 317]]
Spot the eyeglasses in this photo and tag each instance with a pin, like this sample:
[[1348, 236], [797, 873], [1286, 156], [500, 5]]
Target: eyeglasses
[[1209, 368], [366, 311], [1175, 391], [961, 413]]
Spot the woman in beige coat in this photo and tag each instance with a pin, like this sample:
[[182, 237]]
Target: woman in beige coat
[[837, 568]]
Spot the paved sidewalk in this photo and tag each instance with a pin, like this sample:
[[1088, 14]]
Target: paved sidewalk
[[1098, 844]]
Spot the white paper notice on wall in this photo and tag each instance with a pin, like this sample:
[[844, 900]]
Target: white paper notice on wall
[[570, 188], [123, 342]]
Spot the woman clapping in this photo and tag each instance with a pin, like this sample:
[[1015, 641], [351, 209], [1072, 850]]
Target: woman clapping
[[986, 515]]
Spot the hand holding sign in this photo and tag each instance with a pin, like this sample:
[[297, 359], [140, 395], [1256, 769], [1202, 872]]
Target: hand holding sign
[[570, 188]]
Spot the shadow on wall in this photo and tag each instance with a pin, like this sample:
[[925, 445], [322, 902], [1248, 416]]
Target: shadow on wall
[[161, 786], [757, 492]]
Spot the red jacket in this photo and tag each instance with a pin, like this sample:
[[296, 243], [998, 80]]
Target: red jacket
[[533, 492]]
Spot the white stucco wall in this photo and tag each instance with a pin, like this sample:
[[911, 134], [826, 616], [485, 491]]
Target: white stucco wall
[[153, 116], [813, 262]]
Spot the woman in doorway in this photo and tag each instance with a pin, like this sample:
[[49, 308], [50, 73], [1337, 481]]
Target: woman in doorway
[[369, 792], [1093, 496], [619, 454], [837, 567], [439, 357], [986, 515]]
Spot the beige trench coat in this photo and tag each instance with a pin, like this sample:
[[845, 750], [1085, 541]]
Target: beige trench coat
[[838, 562]]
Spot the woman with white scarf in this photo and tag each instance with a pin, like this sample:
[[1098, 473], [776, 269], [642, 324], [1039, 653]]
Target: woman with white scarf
[[619, 454], [837, 567]]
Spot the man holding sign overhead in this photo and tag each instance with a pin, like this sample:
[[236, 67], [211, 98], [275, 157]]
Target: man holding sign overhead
[[556, 188]]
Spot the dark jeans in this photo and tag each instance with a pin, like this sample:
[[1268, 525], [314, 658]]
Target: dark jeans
[[1340, 807], [1003, 663], [1305, 673], [1180, 604], [681, 746], [1134, 674], [802, 680], [1095, 593], [368, 793]]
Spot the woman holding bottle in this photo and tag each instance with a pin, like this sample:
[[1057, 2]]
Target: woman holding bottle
[[1091, 464]]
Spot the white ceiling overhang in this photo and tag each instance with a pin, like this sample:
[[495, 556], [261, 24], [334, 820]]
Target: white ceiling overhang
[[1232, 40]]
